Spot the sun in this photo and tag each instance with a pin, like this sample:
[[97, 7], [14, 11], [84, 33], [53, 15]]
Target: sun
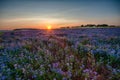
[[49, 27]]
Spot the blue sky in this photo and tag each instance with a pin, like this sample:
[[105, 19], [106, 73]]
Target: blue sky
[[40, 13]]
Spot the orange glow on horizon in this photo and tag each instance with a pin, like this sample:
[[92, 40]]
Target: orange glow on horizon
[[37, 26]]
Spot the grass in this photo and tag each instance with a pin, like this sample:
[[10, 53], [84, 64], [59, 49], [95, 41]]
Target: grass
[[56, 58]]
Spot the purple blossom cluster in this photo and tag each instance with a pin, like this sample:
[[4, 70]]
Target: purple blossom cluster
[[62, 54]]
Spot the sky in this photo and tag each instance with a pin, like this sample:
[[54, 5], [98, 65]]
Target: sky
[[57, 13]]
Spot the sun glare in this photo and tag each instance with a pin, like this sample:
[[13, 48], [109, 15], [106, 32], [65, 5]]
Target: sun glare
[[49, 27]]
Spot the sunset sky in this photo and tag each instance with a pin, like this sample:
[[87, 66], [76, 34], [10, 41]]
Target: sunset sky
[[57, 13]]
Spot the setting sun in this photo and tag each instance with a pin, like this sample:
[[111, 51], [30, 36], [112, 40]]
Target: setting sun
[[49, 27]]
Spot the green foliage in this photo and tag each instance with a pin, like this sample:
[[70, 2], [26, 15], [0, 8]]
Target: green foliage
[[48, 60], [19, 72], [81, 49], [28, 47], [1, 33], [36, 65], [10, 65], [1, 48], [86, 41], [108, 59], [114, 61], [115, 76]]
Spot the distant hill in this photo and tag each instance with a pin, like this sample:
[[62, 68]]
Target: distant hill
[[26, 29], [91, 26]]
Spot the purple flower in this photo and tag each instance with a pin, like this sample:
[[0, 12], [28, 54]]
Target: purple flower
[[55, 65]]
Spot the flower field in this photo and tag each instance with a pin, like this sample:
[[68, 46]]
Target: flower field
[[61, 54]]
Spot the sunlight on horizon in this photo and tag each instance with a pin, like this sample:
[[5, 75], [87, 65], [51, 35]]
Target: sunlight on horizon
[[49, 27]]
